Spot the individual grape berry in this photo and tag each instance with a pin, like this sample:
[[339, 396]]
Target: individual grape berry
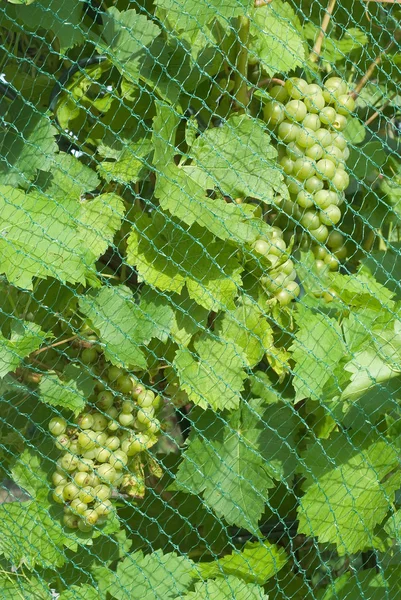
[[320, 253], [340, 180], [320, 234], [328, 115], [323, 137], [303, 169], [86, 439], [70, 521], [78, 507], [104, 400], [345, 104], [127, 406], [331, 215], [85, 465], [315, 152], [112, 443], [273, 113], [124, 384], [58, 494], [291, 292], [99, 422], [333, 88], [70, 492], [59, 479], [90, 517], [118, 460], [145, 399], [126, 419], [325, 169], [339, 140], [305, 199], [295, 110], [307, 138], [154, 426], [85, 421], [113, 373], [89, 356], [103, 455], [103, 508], [82, 479], [294, 187], [288, 132], [334, 154], [315, 103], [106, 472], [340, 123], [101, 492], [62, 442], [296, 88], [312, 121], [313, 184], [69, 462], [341, 252], [100, 439], [335, 240], [332, 262], [279, 93], [87, 495], [287, 164], [293, 151], [310, 220], [57, 426], [138, 389]]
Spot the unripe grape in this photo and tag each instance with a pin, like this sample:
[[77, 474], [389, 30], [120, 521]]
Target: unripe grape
[[320, 253], [58, 494], [87, 494], [59, 479], [312, 122], [62, 442], [106, 472], [154, 426], [323, 137], [335, 240], [303, 168], [346, 154], [319, 264], [102, 492], [89, 454], [85, 421], [339, 140], [113, 426], [124, 384], [320, 234], [310, 220], [85, 465], [313, 184], [340, 180], [288, 132], [103, 508], [57, 426], [127, 406], [294, 187], [287, 164], [70, 521], [285, 296], [138, 389], [295, 110], [104, 400], [73, 448], [112, 412], [279, 93], [328, 115], [103, 455], [315, 152], [345, 104], [332, 262], [340, 123], [82, 479], [287, 267], [86, 439], [323, 199], [78, 507], [334, 154], [293, 151], [101, 438], [99, 422], [126, 419], [90, 517], [341, 252], [307, 138], [273, 260], [70, 491], [113, 373], [305, 199], [273, 113], [315, 103], [325, 169], [334, 87], [112, 443], [89, 356], [119, 460], [296, 87], [277, 247], [69, 462], [331, 215]]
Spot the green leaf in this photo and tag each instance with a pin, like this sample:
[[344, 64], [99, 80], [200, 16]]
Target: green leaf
[[257, 562], [366, 160], [189, 318], [68, 176], [126, 35], [100, 219], [214, 464], [248, 330], [151, 576], [62, 19], [30, 536], [276, 38], [123, 326], [385, 267], [131, 162], [168, 257], [239, 159], [25, 338], [214, 377], [355, 131], [81, 592], [27, 142], [367, 583], [336, 50], [157, 313], [29, 474], [230, 588], [71, 393], [24, 588], [347, 491], [191, 14], [317, 348]]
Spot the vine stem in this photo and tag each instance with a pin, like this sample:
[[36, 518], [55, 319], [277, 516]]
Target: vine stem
[[317, 48], [372, 67], [240, 80], [59, 343]]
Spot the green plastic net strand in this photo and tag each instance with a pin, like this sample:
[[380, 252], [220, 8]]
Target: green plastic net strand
[[200, 326]]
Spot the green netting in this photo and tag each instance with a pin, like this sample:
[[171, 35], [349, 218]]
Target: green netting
[[200, 317]]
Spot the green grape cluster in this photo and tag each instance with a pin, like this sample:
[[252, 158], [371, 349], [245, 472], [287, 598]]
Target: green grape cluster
[[100, 451], [308, 121], [279, 282]]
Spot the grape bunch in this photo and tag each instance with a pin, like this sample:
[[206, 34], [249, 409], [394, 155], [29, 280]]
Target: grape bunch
[[100, 451], [279, 280], [308, 121]]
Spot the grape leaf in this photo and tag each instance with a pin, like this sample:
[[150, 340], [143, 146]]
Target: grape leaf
[[27, 143], [70, 393], [214, 377], [275, 37], [30, 536], [81, 592], [68, 176], [188, 318], [156, 313], [126, 35], [214, 464], [167, 257], [124, 326], [131, 162], [335, 50], [317, 348], [239, 159], [63, 20], [24, 588], [257, 562], [248, 329], [29, 474], [229, 588], [151, 576], [25, 338], [367, 583], [191, 14], [347, 491], [41, 236]]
